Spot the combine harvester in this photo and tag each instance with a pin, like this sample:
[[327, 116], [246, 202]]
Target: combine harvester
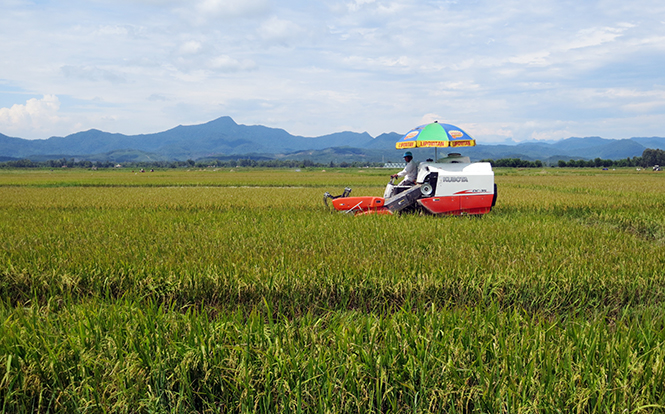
[[453, 186]]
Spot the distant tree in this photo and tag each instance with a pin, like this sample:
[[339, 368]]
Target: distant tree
[[247, 163], [651, 157], [514, 163], [25, 163]]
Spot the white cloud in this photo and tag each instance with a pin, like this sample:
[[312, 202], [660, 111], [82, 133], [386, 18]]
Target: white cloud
[[37, 115], [626, 100], [191, 47], [596, 36], [460, 85], [357, 4], [375, 7], [644, 107], [93, 73], [554, 135], [226, 63], [488, 130], [373, 64], [204, 13], [508, 67], [429, 118], [108, 30], [585, 48], [231, 8], [534, 59], [158, 97], [279, 31]]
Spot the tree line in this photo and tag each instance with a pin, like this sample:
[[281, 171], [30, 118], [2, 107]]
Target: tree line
[[514, 163], [250, 163], [649, 158]]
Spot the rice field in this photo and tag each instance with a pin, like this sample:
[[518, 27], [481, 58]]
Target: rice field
[[238, 291]]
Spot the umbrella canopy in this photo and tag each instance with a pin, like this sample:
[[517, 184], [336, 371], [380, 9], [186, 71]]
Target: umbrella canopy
[[436, 135]]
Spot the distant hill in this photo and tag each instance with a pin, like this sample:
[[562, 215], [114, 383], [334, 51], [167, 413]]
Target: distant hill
[[223, 138], [219, 137], [566, 149]]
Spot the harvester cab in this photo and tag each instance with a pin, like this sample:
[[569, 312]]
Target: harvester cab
[[452, 186]]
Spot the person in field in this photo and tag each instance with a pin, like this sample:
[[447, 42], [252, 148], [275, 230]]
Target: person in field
[[410, 172]]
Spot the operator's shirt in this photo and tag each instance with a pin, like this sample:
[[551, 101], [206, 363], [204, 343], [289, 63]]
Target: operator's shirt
[[410, 172]]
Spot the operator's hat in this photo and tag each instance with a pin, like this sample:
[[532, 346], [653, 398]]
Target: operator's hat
[[407, 154]]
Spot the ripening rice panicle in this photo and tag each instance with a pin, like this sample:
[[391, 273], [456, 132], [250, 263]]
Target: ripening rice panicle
[[237, 291]]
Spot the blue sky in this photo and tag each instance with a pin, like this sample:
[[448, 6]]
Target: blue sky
[[518, 70]]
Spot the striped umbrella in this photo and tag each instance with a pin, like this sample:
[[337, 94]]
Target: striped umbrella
[[436, 135]]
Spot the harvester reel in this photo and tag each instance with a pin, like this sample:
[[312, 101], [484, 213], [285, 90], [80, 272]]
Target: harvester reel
[[327, 196]]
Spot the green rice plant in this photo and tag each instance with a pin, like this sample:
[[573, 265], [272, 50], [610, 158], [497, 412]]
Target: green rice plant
[[234, 246], [198, 293], [130, 357], [210, 177]]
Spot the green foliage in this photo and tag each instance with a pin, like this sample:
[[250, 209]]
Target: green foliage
[[514, 163], [653, 157], [204, 163], [598, 163], [237, 291], [650, 157]]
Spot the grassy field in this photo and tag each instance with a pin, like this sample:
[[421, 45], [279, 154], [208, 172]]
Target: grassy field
[[238, 291]]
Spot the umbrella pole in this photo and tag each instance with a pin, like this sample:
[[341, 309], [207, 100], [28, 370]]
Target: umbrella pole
[[435, 159]]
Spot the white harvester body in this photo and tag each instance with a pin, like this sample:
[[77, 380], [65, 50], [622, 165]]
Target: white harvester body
[[452, 186]]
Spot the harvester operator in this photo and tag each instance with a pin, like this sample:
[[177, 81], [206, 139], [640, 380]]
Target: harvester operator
[[410, 172]]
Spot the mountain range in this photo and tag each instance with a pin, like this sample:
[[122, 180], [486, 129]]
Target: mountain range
[[223, 138]]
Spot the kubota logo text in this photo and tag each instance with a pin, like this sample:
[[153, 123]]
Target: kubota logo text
[[454, 180]]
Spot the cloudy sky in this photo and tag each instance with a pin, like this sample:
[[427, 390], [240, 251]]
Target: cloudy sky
[[501, 69]]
